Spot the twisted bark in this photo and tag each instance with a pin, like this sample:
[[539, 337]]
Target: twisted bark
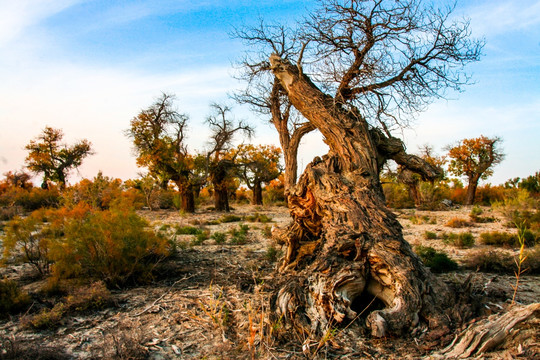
[[344, 247]]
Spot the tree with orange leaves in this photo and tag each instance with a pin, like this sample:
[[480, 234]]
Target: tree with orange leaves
[[259, 164], [475, 159], [48, 156], [158, 134]]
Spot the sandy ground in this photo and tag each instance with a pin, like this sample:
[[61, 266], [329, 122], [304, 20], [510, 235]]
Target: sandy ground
[[210, 301]]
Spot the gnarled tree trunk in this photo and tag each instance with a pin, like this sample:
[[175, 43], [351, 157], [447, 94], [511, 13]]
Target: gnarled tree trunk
[[257, 198], [344, 247], [471, 189], [187, 196], [218, 176]]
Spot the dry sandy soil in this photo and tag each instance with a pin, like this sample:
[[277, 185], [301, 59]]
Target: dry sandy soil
[[211, 301]]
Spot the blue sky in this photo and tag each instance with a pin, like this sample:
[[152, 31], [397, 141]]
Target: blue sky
[[89, 66]]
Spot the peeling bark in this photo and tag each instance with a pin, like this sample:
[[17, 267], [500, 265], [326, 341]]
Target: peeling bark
[[344, 247]]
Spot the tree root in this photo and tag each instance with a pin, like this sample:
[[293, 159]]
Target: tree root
[[487, 334]]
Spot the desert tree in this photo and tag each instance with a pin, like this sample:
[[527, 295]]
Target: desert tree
[[367, 67], [475, 159], [47, 155], [159, 133], [258, 165], [413, 180], [221, 155], [18, 179], [264, 93]]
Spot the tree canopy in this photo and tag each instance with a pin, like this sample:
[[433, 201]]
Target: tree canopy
[[47, 155], [475, 159]]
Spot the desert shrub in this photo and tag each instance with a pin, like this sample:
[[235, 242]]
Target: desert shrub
[[95, 296], [432, 194], [437, 261], [488, 194], [257, 217], [272, 254], [124, 342], [8, 213], [219, 237], [274, 192], [430, 235], [239, 235], [476, 211], [504, 239], [531, 183], [532, 261], [229, 218], [28, 239], [187, 230], [458, 223], [168, 199], [397, 196], [12, 299], [112, 245], [243, 195], [14, 349], [520, 208], [422, 219], [99, 193], [46, 318], [460, 240], [491, 261], [267, 232], [37, 198], [199, 237]]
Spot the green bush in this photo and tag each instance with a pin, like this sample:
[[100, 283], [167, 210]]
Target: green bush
[[504, 239], [12, 299], [430, 235], [460, 240], [422, 219], [187, 230], [272, 254], [219, 237], [437, 261], [200, 237], [229, 218], [257, 217], [239, 235], [47, 318], [397, 196], [28, 239], [267, 232], [112, 245]]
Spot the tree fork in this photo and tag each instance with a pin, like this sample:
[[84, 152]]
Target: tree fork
[[343, 243]]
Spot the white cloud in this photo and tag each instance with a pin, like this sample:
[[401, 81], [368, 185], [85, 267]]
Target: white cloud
[[498, 17], [18, 15]]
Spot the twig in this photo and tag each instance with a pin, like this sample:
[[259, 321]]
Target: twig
[[161, 297]]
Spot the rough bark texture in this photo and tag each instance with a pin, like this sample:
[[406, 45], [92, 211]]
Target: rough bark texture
[[257, 198], [471, 189], [344, 247], [188, 197], [218, 177], [489, 333]]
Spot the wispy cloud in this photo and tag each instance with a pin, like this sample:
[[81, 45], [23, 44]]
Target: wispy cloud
[[18, 15], [497, 17]]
